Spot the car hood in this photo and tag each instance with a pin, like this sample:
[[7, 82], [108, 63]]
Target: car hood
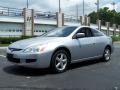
[[22, 44]]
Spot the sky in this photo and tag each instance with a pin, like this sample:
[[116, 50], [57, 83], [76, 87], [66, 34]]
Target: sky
[[67, 6]]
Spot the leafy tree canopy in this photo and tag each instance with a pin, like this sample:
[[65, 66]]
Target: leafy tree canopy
[[105, 15]]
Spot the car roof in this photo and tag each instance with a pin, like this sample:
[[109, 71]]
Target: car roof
[[82, 26], [79, 26]]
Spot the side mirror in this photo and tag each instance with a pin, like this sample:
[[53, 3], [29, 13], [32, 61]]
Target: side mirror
[[80, 35]]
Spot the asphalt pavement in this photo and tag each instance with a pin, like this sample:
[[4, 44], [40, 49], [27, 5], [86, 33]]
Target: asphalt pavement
[[88, 75]]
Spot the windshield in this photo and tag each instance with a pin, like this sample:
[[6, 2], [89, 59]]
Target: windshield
[[60, 32]]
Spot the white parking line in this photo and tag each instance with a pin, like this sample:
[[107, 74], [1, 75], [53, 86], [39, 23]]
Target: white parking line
[[3, 56]]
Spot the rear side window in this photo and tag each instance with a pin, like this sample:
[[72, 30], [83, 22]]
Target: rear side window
[[97, 33]]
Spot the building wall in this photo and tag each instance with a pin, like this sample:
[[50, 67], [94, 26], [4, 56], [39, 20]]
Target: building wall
[[11, 29], [42, 28]]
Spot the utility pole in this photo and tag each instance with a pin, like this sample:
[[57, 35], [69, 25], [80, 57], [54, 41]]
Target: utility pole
[[59, 6], [98, 7], [27, 4], [113, 3], [77, 12], [83, 8]]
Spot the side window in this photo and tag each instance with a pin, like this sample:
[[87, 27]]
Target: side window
[[82, 30], [87, 31], [97, 33]]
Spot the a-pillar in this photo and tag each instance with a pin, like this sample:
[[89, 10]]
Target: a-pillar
[[60, 19], [28, 22]]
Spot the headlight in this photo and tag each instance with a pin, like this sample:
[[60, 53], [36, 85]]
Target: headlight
[[40, 48], [31, 50]]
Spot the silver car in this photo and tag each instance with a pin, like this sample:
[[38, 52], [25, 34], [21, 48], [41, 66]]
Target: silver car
[[59, 48]]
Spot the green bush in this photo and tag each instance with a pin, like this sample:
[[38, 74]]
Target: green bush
[[116, 38], [25, 37], [8, 40]]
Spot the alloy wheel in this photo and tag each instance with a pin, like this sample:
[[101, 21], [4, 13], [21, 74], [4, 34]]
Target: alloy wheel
[[61, 61], [107, 54]]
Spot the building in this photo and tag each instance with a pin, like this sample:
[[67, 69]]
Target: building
[[12, 22]]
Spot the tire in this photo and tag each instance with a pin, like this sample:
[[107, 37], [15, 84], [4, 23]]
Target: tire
[[107, 54], [60, 61]]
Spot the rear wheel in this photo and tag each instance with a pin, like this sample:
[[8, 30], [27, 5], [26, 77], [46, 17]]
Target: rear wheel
[[60, 61], [107, 54]]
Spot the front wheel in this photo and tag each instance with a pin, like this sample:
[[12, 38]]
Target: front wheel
[[107, 54], [60, 61]]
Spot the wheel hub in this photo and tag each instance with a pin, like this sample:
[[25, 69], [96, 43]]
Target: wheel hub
[[61, 61], [107, 54]]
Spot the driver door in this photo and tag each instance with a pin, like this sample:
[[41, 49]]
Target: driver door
[[86, 44]]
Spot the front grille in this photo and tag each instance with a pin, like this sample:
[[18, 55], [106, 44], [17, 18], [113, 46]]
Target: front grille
[[11, 59], [14, 49]]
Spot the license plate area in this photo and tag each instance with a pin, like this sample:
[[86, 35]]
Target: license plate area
[[9, 55], [12, 59]]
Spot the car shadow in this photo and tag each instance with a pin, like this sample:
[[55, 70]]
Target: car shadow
[[22, 71]]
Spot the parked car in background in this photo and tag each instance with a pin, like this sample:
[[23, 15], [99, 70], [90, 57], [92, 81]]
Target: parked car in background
[[59, 48]]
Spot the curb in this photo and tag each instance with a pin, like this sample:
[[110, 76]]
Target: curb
[[117, 42], [3, 47]]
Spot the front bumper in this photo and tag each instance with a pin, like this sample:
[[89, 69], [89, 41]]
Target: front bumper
[[17, 58], [32, 60]]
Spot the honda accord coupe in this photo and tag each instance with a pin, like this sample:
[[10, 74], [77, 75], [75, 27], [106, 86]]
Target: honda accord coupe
[[60, 47]]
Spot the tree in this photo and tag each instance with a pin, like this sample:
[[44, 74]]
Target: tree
[[106, 15]]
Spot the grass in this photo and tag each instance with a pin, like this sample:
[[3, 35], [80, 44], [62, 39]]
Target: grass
[[4, 45], [115, 38]]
